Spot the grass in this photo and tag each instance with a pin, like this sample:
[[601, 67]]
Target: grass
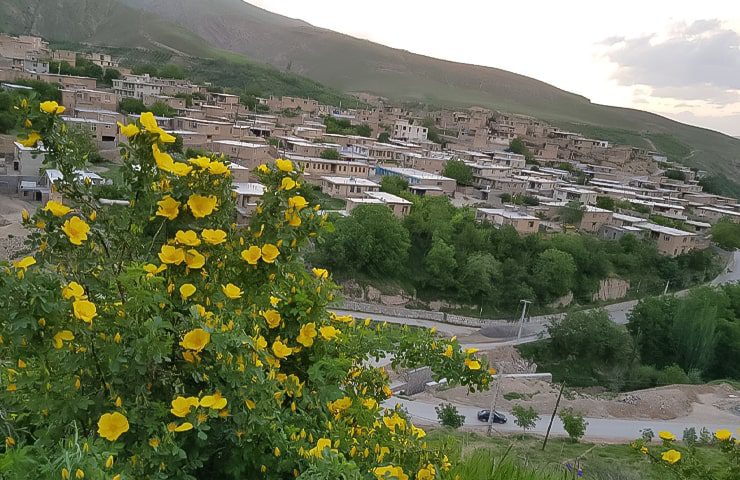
[[521, 458]]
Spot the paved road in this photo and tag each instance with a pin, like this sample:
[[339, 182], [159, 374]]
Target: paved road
[[608, 429], [618, 313]]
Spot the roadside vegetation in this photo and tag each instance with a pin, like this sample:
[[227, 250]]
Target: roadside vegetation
[[667, 340]]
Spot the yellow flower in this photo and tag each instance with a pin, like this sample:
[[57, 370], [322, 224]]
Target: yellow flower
[[150, 124], [320, 273], [24, 263], [671, 456], [187, 290], [73, 290], [9, 442], [154, 442], [252, 255], [448, 351], [269, 252], [194, 260], [321, 445], [196, 339], [260, 343], [202, 206], [218, 168], [427, 473], [307, 334], [61, 337], [76, 230], [213, 237], [32, 140], [84, 310], [21, 364], [723, 434], [250, 404], [389, 472], [231, 291], [215, 401], [200, 162], [263, 168], [272, 317], [188, 237], [284, 165], [152, 269], [128, 130], [51, 107], [181, 169], [112, 425], [56, 208], [25, 216], [665, 435], [472, 364], [294, 220], [644, 450], [328, 332], [287, 184], [276, 451], [109, 462], [171, 255], [274, 301], [181, 406], [79, 474], [65, 474], [340, 405], [297, 202], [163, 160], [281, 350], [184, 427], [168, 208]]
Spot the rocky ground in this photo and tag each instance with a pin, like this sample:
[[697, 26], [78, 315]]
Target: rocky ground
[[701, 403], [12, 233]]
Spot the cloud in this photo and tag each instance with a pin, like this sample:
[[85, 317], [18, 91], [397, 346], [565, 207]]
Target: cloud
[[697, 61]]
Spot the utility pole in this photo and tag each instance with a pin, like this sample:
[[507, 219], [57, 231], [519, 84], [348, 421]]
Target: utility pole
[[521, 319], [552, 418], [499, 379]]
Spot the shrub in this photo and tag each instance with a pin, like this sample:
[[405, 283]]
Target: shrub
[[157, 340], [573, 423], [448, 416], [525, 417]]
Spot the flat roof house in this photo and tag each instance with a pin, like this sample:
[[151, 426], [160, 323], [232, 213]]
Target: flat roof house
[[594, 217], [399, 206], [419, 178], [247, 197], [347, 187], [523, 223], [247, 154], [670, 241]]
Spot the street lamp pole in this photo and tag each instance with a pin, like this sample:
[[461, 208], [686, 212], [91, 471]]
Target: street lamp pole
[[521, 319]]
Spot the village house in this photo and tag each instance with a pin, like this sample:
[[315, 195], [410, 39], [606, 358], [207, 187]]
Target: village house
[[568, 193], [247, 196], [247, 154], [713, 215], [669, 241], [292, 103], [420, 178], [104, 133], [523, 223], [403, 130], [212, 129], [89, 99], [399, 206], [347, 187], [594, 218], [315, 167], [27, 161]]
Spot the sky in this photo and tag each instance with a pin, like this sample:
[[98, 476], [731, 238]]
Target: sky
[[677, 58]]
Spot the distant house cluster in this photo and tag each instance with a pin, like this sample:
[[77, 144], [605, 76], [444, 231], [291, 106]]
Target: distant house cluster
[[526, 188]]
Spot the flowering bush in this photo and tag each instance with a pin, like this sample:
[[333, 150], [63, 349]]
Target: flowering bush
[[154, 339], [686, 463]]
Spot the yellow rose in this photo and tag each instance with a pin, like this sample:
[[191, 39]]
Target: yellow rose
[[171, 255], [84, 310], [272, 317], [168, 208], [61, 337], [24, 263], [196, 340], [112, 425], [128, 130], [269, 253], [181, 406], [297, 202], [202, 206], [723, 435], [472, 364], [307, 334], [194, 260], [284, 165], [51, 107], [31, 141], [231, 291], [187, 290], [213, 237], [252, 255], [280, 349], [328, 332], [76, 230], [56, 208], [215, 401], [664, 435], [671, 456]]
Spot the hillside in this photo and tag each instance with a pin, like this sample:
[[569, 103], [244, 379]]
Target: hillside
[[350, 64]]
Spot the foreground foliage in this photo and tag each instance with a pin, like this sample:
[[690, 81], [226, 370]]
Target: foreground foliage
[[156, 340]]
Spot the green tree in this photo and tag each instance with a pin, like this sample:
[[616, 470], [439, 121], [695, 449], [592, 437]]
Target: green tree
[[393, 184], [552, 275], [479, 276], [171, 71], [518, 146], [651, 325], [364, 130], [458, 170], [131, 105], [606, 202], [571, 214], [161, 109], [695, 328], [676, 175], [440, 265], [330, 154], [145, 68], [110, 75], [384, 137], [525, 417], [449, 417], [573, 423], [726, 234]]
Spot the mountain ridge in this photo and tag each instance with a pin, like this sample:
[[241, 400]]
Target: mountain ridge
[[352, 64]]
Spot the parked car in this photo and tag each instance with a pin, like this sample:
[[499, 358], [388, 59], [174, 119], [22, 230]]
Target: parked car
[[485, 416]]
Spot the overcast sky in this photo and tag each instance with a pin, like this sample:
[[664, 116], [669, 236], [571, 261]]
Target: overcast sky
[[677, 58]]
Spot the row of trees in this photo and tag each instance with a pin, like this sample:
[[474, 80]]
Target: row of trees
[[85, 68], [667, 340], [444, 253], [345, 127]]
